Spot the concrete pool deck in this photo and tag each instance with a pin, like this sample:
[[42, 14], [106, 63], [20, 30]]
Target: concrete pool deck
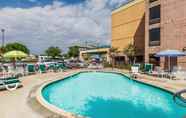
[[21, 103]]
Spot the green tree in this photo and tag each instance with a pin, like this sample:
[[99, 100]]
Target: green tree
[[130, 51], [112, 52], [53, 52], [73, 51], [16, 46]]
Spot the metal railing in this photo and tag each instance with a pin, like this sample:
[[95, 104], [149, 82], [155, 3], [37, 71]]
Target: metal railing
[[179, 99]]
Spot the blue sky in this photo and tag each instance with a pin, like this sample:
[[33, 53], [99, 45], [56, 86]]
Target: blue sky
[[32, 3], [43, 23]]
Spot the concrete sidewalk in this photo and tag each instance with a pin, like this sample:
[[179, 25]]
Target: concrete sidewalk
[[22, 103]]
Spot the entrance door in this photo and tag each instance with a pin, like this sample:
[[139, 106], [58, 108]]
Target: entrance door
[[119, 60], [170, 64]]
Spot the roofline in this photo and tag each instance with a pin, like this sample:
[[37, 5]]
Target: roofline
[[126, 5]]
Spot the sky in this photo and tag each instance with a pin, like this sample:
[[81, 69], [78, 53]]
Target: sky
[[40, 24]]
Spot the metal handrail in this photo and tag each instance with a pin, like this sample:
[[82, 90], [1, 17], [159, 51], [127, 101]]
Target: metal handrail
[[180, 97]]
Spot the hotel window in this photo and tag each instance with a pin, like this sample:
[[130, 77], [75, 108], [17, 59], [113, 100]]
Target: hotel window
[[152, 1], [154, 37], [154, 15]]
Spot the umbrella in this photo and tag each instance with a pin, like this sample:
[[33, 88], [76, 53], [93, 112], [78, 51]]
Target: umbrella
[[169, 54], [15, 54]]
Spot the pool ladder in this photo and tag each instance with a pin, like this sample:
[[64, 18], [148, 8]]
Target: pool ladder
[[180, 97]]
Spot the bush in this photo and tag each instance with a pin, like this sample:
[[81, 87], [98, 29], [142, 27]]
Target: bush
[[124, 66], [107, 65]]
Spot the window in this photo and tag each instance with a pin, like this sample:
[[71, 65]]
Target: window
[[154, 14], [152, 1], [154, 37]]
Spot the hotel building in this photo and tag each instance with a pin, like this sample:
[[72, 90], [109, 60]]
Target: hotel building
[[165, 28], [128, 27], [153, 26]]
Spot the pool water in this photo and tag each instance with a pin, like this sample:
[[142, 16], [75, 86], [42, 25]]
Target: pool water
[[111, 95]]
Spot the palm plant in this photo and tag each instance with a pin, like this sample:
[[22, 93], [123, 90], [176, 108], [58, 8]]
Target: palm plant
[[130, 52], [112, 52]]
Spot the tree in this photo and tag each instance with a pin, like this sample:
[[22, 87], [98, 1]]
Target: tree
[[2, 51], [73, 51], [130, 51], [53, 52], [16, 46], [112, 52]]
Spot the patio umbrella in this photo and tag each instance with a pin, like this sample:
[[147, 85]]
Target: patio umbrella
[[14, 55], [169, 54]]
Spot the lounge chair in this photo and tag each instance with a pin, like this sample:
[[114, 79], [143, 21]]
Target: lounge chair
[[10, 83], [159, 72], [52, 67], [148, 68], [175, 72], [31, 69], [11, 70], [137, 65], [42, 68], [181, 75], [61, 67], [135, 71]]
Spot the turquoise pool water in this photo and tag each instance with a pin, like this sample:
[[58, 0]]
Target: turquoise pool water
[[110, 95]]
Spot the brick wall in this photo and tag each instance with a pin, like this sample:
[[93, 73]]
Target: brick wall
[[172, 26]]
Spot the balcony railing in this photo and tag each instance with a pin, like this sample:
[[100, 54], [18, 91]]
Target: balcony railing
[[150, 1], [154, 43], [154, 21]]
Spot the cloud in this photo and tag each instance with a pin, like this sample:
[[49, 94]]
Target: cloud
[[58, 24]]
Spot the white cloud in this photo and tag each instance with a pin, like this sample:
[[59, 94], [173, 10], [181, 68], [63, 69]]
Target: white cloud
[[57, 24]]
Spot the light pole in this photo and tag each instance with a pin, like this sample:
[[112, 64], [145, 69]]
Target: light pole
[[3, 37]]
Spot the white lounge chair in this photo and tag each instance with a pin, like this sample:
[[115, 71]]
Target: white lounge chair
[[135, 71], [177, 72], [160, 73], [10, 84]]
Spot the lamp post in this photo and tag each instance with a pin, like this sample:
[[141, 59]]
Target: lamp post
[[3, 37]]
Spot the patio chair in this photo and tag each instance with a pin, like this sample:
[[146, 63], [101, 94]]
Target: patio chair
[[175, 72], [61, 67], [31, 69], [11, 70], [135, 71], [137, 65], [10, 83], [159, 72], [181, 75], [42, 68], [148, 68], [52, 67]]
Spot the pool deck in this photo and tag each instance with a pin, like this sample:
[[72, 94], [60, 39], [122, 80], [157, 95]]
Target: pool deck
[[22, 103]]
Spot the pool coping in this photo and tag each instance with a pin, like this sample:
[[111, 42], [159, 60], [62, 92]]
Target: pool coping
[[51, 107], [64, 113]]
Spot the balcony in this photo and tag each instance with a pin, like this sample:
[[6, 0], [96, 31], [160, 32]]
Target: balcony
[[154, 43], [151, 1], [154, 21]]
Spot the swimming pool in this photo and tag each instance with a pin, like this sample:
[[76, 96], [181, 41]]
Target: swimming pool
[[111, 95]]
